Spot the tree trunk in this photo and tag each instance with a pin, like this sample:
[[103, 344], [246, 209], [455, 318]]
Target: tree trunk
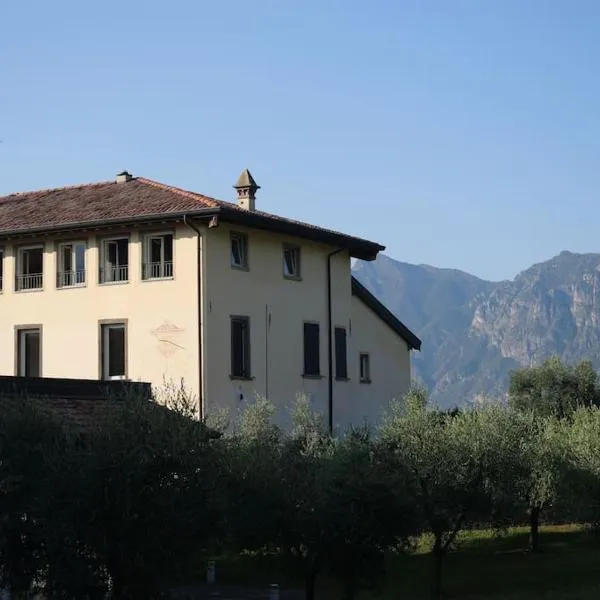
[[438, 557], [310, 586], [534, 528]]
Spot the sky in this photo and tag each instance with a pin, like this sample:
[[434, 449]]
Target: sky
[[457, 133]]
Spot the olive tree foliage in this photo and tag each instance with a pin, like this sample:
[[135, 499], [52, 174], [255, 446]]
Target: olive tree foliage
[[324, 503], [458, 466], [583, 465], [147, 494], [253, 492], [32, 445], [554, 388], [537, 479]]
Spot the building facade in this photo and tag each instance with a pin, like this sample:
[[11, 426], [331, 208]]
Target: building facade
[[137, 280]]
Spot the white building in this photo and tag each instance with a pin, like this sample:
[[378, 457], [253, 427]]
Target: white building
[[139, 280]]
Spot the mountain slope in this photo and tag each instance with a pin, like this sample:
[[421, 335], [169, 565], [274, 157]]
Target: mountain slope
[[474, 331]]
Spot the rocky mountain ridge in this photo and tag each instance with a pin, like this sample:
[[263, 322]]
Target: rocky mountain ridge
[[475, 331]]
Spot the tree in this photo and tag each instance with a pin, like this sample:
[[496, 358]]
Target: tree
[[554, 388], [456, 465], [325, 502], [536, 476], [582, 466], [146, 494], [31, 441]]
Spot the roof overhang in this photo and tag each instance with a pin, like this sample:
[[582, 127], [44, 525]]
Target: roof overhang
[[357, 248]]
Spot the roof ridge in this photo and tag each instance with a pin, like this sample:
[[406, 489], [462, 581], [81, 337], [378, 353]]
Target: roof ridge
[[17, 195], [181, 191]]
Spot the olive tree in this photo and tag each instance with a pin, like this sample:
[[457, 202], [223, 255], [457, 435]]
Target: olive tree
[[458, 466], [146, 491], [583, 465], [554, 388]]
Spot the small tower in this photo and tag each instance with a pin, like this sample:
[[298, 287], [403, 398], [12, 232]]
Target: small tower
[[246, 190]]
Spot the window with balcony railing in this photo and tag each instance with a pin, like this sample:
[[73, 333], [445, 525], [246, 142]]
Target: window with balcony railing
[[114, 260], [158, 256], [71, 265], [30, 268]]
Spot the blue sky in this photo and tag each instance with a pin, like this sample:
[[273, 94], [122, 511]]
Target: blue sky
[[457, 133]]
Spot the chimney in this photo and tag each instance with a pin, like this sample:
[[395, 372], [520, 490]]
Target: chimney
[[246, 190], [124, 177]]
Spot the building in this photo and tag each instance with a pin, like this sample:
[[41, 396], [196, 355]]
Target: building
[[134, 279]]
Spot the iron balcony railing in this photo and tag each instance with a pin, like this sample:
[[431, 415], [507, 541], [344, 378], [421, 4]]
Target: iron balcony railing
[[31, 281], [112, 274], [70, 278], [158, 270]]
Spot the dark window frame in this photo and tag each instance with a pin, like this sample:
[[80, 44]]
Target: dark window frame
[[240, 367], [19, 330], [341, 353], [311, 355], [102, 325], [1, 269], [241, 238], [364, 377]]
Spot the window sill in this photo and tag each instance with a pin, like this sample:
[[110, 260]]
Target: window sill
[[151, 279], [342, 378], [240, 268], [29, 291], [292, 277], [241, 378], [306, 376], [114, 282], [71, 287], [367, 381]]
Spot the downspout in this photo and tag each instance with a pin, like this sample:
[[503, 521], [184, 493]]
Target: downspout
[[330, 338], [193, 227]]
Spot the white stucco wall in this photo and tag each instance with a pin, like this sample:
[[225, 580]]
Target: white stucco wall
[[277, 308], [163, 320], [161, 315], [389, 365]]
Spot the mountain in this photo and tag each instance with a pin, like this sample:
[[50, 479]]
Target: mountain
[[475, 332]]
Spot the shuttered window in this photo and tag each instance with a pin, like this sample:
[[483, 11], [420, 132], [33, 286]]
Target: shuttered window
[[312, 360], [341, 361], [240, 347]]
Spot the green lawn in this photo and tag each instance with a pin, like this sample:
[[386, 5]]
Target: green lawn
[[483, 566]]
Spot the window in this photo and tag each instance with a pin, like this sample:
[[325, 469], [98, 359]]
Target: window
[[114, 260], [29, 352], [341, 362], [71, 264], [312, 361], [365, 368], [1, 268], [158, 256], [240, 347], [291, 262], [113, 350], [239, 250], [30, 268]]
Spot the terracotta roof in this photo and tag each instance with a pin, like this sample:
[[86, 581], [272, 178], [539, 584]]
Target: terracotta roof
[[360, 291], [109, 202]]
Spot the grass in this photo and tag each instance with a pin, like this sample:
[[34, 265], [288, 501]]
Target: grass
[[484, 566]]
